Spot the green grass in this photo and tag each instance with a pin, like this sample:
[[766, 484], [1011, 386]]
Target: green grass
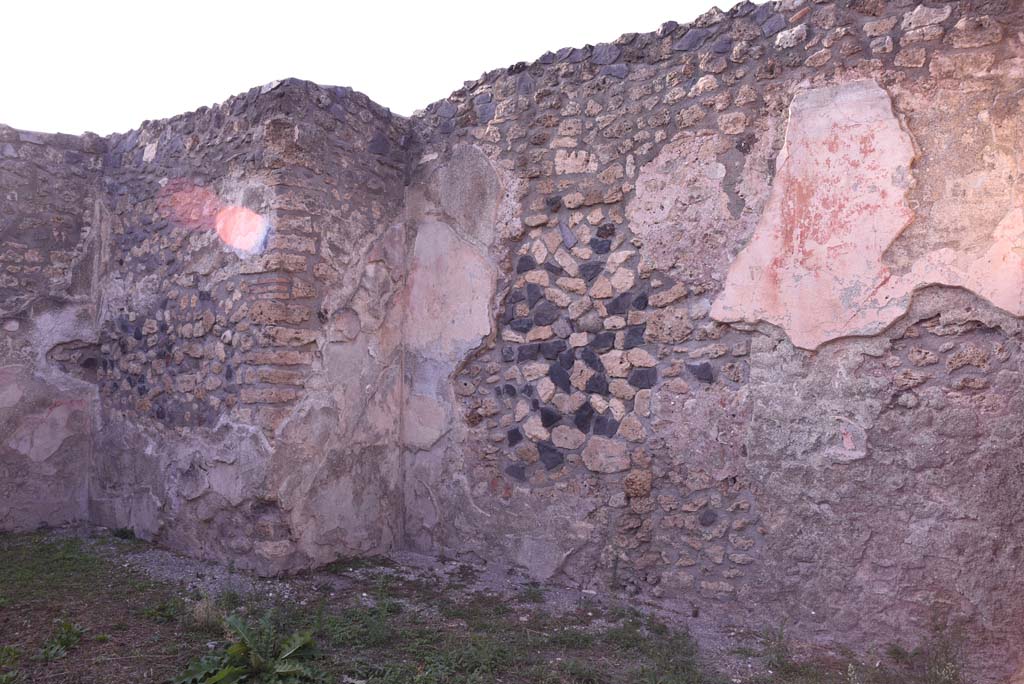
[[477, 659], [65, 637], [498, 644], [360, 627], [9, 658], [939, 660], [481, 613], [626, 636], [168, 610], [571, 639], [582, 672], [60, 590], [377, 627], [533, 593], [35, 568], [229, 600], [365, 626], [673, 659]]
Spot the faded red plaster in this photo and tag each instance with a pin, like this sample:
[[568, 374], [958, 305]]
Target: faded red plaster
[[814, 265]]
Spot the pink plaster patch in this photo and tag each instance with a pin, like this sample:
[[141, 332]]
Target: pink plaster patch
[[997, 274], [815, 266]]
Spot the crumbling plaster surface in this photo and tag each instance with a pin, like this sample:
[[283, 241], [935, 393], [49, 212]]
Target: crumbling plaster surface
[[816, 265], [752, 472], [722, 318], [49, 260], [251, 348], [462, 210]]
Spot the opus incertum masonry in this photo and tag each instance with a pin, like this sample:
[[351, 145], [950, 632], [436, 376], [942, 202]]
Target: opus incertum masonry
[[725, 317]]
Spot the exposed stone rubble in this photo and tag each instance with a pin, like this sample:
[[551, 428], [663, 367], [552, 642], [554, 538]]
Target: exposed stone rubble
[[723, 317]]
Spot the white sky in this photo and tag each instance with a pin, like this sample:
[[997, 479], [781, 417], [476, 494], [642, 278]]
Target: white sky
[[107, 65]]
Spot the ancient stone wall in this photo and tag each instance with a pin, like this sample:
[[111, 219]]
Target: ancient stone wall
[[198, 297], [48, 328], [245, 327], [755, 348], [725, 318]]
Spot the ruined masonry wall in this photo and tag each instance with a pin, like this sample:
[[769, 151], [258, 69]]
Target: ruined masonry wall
[[723, 318], [48, 273], [195, 355], [755, 345]]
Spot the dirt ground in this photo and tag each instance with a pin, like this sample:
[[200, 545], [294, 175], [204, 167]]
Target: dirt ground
[[83, 605]]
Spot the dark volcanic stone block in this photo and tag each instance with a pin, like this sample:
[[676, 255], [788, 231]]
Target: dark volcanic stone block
[[546, 313], [643, 378], [533, 294], [634, 336], [620, 304], [591, 269], [605, 426], [551, 350], [583, 418], [517, 471], [549, 417], [560, 377], [521, 324], [603, 341], [550, 456], [589, 357], [692, 39], [528, 352], [703, 371], [525, 263], [597, 384]]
